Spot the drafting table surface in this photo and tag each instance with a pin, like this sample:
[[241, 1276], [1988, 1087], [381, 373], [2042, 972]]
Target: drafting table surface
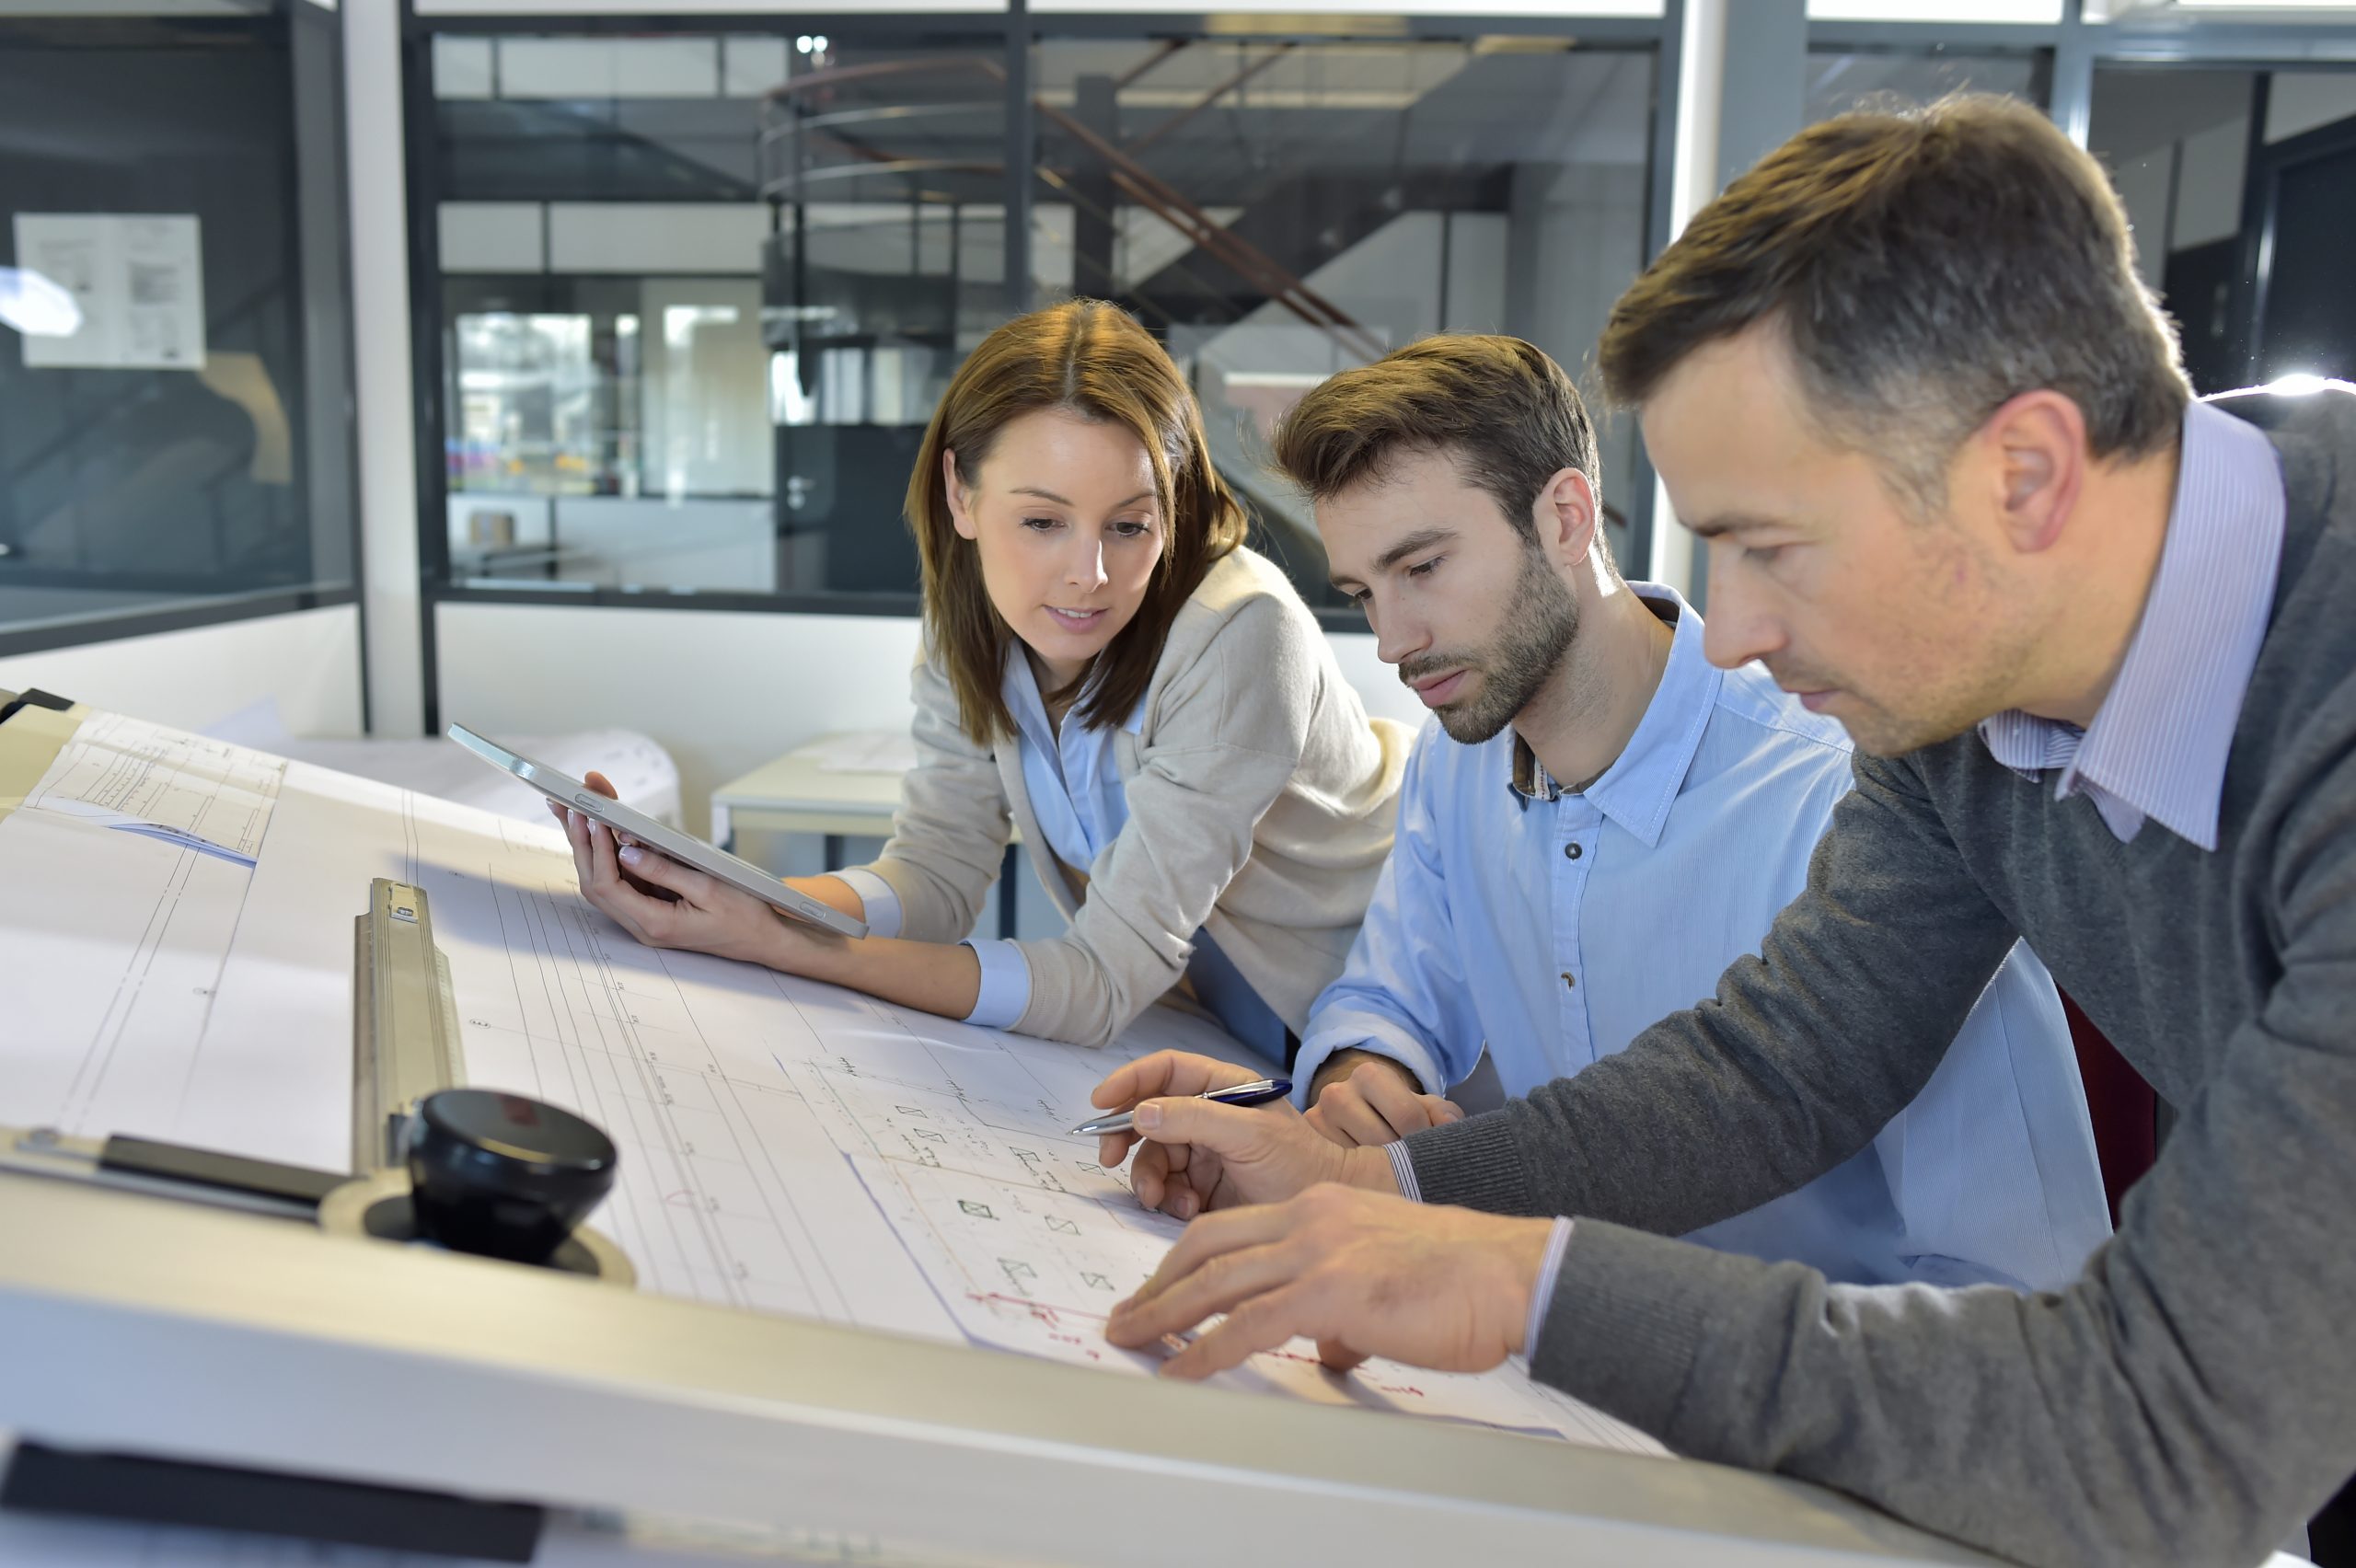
[[788, 1148]]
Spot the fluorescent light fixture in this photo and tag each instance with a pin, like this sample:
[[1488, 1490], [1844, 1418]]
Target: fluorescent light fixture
[[2264, 6], [37, 307]]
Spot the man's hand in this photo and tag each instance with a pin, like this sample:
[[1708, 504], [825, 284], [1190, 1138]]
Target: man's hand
[[1198, 1156], [1359, 1273], [1359, 1098]]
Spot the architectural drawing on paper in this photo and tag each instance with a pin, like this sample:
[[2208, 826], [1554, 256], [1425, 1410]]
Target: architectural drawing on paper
[[786, 1146]]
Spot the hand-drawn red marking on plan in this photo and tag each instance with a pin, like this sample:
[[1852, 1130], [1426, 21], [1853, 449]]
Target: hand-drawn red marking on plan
[[1035, 1307]]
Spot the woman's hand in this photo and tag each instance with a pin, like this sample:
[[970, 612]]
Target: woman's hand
[[666, 904]]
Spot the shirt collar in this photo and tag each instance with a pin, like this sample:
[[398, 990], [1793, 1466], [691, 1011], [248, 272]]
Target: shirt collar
[[1020, 688], [1642, 784], [2159, 743]]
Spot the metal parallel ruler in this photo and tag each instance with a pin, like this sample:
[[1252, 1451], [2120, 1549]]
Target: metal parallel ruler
[[404, 1023]]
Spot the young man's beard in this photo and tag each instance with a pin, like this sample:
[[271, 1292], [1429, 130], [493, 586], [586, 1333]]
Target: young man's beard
[[1533, 638]]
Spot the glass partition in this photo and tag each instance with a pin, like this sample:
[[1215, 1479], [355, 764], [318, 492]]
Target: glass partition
[[698, 291], [698, 295], [171, 311], [1282, 209], [2235, 179]]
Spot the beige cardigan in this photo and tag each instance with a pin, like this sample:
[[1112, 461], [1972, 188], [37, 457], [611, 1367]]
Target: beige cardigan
[[1261, 805]]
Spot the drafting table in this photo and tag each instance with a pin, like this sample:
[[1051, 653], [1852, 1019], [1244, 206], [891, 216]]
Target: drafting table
[[803, 1362]]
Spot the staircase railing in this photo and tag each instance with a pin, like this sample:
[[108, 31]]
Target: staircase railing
[[1132, 179]]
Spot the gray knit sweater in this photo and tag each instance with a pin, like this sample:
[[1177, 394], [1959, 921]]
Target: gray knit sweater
[[2192, 1397]]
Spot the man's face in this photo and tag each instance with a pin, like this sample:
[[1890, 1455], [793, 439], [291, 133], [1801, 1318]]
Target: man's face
[[1907, 629], [1474, 614]]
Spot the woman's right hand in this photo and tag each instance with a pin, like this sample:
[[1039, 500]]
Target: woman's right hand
[[830, 891], [662, 903]]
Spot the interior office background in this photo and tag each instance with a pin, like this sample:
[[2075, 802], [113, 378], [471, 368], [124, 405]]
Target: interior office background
[[563, 363], [562, 360]]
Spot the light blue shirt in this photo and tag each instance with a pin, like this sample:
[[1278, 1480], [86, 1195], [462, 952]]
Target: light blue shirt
[[1074, 782], [1553, 926], [2157, 747]]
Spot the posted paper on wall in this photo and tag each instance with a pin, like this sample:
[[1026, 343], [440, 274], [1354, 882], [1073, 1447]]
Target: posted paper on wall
[[138, 279]]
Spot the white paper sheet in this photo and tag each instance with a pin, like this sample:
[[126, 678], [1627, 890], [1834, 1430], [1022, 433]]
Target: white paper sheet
[[137, 278], [112, 947], [163, 783]]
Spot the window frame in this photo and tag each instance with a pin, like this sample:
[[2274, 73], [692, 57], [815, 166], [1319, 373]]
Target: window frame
[[320, 243], [1022, 32]]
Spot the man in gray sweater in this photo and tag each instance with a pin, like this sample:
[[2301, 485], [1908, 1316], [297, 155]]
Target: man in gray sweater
[[2095, 643]]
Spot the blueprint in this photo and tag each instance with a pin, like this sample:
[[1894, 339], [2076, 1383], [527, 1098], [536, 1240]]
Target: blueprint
[[113, 946], [123, 773], [785, 1146], [116, 941]]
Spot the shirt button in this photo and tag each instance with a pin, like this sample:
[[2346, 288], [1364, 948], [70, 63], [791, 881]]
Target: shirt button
[[1568, 982], [1572, 851]]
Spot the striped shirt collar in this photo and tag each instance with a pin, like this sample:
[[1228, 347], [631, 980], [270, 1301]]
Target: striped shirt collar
[[2157, 747]]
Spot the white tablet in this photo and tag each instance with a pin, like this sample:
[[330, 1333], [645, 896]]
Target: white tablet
[[568, 790]]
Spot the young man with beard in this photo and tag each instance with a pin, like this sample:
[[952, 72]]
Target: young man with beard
[[1600, 822]]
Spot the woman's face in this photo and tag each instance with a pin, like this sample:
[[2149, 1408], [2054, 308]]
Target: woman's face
[[1069, 528]]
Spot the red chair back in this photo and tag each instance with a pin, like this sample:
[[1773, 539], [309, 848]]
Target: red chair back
[[2121, 1104]]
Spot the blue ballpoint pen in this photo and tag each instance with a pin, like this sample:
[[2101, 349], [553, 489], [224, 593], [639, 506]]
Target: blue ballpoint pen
[[1259, 1091]]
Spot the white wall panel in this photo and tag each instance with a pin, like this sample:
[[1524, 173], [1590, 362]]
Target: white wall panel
[[724, 692], [492, 236], [2142, 187], [2299, 101], [309, 663], [751, 63], [608, 67], [2209, 188], [656, 236], [464, 67]]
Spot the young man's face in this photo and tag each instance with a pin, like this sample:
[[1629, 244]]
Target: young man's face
[[1472, 612], [1909, 630]]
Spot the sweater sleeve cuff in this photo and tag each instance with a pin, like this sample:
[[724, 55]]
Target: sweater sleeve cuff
[[1475, 1163], [1542, 1295], [1006, 984], [1402, 1171], [1626, 1329], [882, 904]]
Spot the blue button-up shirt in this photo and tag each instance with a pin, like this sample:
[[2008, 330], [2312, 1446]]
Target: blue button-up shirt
[[1074, 781], [2157, 747], [1553, 926]]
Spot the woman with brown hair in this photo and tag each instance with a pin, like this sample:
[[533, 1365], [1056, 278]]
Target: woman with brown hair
[[1110, 671]]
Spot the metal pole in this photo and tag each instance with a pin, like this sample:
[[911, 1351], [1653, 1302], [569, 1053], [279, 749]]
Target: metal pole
[[1021, 154]]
